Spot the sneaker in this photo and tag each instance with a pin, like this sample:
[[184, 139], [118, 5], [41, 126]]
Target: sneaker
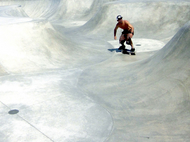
[[132, 49]]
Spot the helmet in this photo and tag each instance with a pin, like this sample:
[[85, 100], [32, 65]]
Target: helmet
[[119, 17]]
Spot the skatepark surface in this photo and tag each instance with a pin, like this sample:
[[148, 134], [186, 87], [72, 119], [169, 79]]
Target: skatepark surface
[[62, 78]]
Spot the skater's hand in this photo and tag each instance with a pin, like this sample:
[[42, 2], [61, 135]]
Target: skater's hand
[[115, 37]]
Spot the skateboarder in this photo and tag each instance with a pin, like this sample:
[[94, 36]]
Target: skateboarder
[[127, 34]]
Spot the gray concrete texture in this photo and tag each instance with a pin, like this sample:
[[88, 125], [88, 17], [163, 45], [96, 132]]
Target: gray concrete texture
[[62, 79]]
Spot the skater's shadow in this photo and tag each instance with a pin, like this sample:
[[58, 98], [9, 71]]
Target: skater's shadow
[[115, 49]]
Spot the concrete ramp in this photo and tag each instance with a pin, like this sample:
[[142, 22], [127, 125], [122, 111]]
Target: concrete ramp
[[62, 78], [148, 99]]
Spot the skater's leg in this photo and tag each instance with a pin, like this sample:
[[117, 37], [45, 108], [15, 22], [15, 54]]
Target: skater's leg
[[129, 41], [122, 41]]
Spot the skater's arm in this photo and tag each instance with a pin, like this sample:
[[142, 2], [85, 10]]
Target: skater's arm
[[132, 29], [115, 31]]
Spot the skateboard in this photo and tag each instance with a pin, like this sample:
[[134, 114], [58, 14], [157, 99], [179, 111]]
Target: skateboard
[[129, 52]]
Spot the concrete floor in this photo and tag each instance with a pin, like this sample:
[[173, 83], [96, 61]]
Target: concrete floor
[[62, 78]]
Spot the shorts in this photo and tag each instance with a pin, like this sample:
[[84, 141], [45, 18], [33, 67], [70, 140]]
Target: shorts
[[127, 32]]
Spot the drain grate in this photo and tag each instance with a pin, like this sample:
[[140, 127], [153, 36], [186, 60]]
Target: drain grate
[[14, 111]]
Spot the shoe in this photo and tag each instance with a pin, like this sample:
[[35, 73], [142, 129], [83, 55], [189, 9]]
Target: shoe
[[132, 49], [121, 47]]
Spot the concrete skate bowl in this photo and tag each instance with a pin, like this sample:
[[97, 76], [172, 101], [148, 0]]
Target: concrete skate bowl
[[60, 70]]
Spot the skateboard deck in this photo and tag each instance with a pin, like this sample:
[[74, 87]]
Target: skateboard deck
[[129, 52]]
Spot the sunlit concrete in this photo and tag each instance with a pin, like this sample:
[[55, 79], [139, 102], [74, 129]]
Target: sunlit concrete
[[62, 78]]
